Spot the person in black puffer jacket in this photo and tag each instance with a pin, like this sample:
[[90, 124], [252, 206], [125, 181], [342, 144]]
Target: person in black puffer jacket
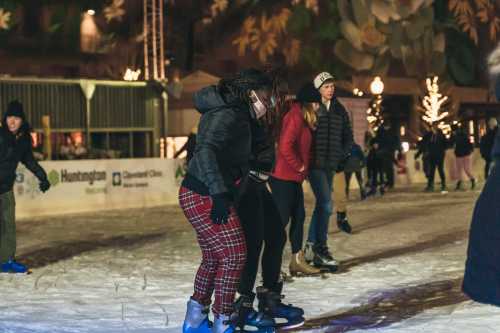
[[220, 161], [15, 147], [332, 141], [486, 145]]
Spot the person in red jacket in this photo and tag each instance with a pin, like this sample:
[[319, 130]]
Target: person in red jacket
[[291, 168]]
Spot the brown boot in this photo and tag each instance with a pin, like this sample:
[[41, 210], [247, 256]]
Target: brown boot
[[299, 266]]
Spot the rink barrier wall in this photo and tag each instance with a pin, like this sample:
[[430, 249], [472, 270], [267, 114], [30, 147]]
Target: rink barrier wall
[[93, 185]]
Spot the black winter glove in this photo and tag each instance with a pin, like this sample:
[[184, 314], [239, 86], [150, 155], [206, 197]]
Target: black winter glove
[[44, 185], [220, 208]]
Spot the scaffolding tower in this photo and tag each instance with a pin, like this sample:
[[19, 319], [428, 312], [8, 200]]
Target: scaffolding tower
[[154, 43]]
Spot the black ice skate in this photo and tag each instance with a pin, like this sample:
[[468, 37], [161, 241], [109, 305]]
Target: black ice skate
[[343, 222], [324, 260], [286, 316]]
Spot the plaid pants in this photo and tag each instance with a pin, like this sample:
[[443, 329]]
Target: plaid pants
[[223, 251]]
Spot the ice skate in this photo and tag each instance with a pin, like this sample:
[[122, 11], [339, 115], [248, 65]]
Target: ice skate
[[196, 320], [343, 223], [246, 319], [309, 252], [324, 260], [286, 316], [13, 266], [299, 266]]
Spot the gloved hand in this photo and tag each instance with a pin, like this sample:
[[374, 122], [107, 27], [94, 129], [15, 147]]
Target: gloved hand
[[44, 185], [220, 208]]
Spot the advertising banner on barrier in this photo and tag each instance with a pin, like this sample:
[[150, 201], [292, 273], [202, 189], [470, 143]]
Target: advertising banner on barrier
[[87, 185]]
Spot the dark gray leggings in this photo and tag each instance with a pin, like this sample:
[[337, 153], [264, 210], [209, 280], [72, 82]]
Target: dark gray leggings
[[289, 198]]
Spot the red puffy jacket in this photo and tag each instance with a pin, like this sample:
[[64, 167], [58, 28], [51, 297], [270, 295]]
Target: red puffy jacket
[[294, 147]]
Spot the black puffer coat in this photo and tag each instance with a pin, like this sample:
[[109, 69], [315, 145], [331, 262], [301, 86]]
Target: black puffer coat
[[13, 151], [435, 145], [223, 143], [333, 138], [463, 146]]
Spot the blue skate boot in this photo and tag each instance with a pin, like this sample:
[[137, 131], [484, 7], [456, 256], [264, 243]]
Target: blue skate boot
[[223, 324], [286, 316], [247, 319], [12, 266], [196, 320]]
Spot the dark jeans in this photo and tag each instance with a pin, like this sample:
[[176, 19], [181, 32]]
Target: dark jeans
[[7, 226], [289, 198], [436, 163], [261, 224], [321, 184]]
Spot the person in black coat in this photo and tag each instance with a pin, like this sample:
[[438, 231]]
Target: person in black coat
[[15, 147], [482, 268], [486, 145], [375, 165], [434, 145], [463, 152], [332, 142], [219, 163], [388, 143], [355, 164]]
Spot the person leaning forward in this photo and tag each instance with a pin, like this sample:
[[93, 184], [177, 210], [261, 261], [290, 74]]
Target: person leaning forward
[[15, 147]]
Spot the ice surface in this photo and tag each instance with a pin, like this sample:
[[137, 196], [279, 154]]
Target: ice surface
[[132, 271]]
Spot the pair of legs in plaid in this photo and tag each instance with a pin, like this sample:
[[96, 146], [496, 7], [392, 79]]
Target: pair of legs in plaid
[[223, 252]]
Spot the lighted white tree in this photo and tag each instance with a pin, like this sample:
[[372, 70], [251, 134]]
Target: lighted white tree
[[432, 102], [4, 19]]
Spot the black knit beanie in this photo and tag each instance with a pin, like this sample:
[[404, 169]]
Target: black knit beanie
[[308, 94], [15, 109]]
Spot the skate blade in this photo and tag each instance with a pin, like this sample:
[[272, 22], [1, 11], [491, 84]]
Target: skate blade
[[332, 269], [16, 273], [253, 329], [290, 325], [302, 274]]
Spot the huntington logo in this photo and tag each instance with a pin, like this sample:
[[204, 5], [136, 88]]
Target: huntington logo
[[117, 179], [53, 177]]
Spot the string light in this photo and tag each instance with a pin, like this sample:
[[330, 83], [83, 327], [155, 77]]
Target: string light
[[131, 75]]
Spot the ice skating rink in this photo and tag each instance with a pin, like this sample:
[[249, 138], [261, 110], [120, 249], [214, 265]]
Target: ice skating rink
[[132, 271]]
